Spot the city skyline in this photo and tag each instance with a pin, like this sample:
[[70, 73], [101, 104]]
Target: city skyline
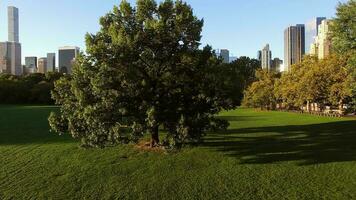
[[242, 32]]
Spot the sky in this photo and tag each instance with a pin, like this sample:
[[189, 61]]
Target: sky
[[242, 26]]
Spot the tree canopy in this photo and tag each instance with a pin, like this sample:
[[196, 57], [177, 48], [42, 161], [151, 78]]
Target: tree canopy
[[143, 71], [343, 34]]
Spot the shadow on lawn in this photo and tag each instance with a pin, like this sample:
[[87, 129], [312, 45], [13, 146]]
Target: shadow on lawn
[[308, 144]]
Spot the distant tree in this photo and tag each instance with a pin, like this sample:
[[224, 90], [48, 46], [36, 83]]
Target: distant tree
[[27, 89], [143, 71], [261, 93], [238, 76]]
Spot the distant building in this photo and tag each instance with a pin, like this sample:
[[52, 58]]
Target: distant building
[[42, 65], [311, 32], [259, 55], [276, 65], [30, 65], [322, 45], [294, 45], [13, 24], [10, 58], [10, 51], [51, 62], [232, 58], [266, 58], [67, 57], [225, 55]]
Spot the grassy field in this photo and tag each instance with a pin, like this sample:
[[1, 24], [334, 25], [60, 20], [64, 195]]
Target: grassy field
[[264, 155]]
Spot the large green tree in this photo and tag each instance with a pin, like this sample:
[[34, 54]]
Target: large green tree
[[142, 71], [343, 34]]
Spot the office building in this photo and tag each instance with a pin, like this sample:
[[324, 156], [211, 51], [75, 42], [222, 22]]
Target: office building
[[10, 51], [311, 32], [266, 58], [13, 24], [294, 45], [67, 57], [322, 45], [259, 55], [30, 65], [225, 55], [42, 65], [51, 62], [276, 65], [10, 58]]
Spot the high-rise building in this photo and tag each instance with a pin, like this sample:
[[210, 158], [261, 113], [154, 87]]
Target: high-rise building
[[30, 65], [294, 45], [276, 65], [42, 65], [10, 51], [13, 24], [266, 58], [259, 55], [225, 55], [311, 31], [322, 45], [67, 57], [10, 58], [51, 62]]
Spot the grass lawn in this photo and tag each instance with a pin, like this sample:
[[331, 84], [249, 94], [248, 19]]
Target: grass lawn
[[264, 155]]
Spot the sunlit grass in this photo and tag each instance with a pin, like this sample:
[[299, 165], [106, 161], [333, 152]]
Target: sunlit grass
[[264, 155]]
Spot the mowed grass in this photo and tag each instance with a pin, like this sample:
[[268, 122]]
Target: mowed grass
[[264, 155]]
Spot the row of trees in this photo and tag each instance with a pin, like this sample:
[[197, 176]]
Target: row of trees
[[327, 82], [144, 71], [323, 82], [29, 89]]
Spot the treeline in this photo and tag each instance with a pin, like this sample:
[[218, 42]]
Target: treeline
[[315, 85], [27, 89], [312, 85]]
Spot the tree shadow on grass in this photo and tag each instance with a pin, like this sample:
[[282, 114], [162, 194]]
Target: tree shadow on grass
[[307, 144]]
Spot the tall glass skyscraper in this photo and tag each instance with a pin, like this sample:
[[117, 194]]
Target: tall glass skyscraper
[[13, 24], [294, 45], [10, 51]]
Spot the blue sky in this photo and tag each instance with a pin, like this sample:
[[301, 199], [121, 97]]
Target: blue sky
[[242, 26]]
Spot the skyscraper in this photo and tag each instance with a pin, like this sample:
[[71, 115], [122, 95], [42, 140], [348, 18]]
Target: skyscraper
[[10, 51], [10, 58], [225, 55], [13, 24], [266, 58], [322, 45], [294, 45], [276, 65], [311, 31], [30, 65], [42, 65], [51, 62], [67, 57]]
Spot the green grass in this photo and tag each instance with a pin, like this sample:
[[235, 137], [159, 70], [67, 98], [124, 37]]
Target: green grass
[[264, 155]]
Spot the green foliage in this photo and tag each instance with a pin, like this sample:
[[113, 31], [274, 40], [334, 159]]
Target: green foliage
[[323, 81], [32, 88], [143, 71], [260, 93], [343, 34]]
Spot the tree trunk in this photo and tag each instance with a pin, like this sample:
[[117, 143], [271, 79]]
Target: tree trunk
[[154, 137]]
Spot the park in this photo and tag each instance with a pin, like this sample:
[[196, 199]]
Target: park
[[266, 155], [150, 111]]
